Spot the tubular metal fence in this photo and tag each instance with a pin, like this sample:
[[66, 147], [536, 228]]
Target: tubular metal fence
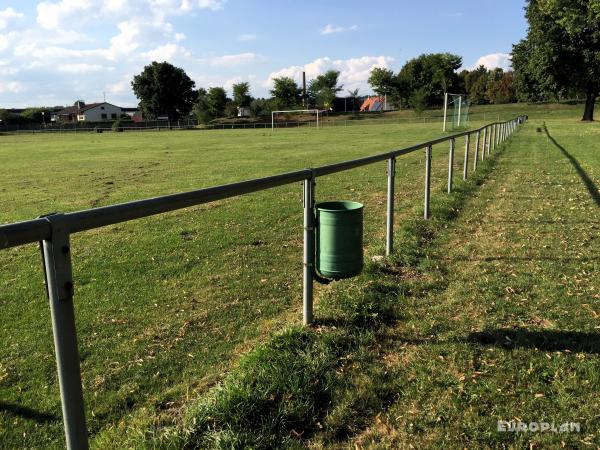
[[53, 233]]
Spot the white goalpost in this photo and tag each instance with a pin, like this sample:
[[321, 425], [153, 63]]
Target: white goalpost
[[273, 113], [460, 110]]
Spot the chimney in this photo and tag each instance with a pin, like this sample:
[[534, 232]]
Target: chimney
[[304, 102], [79, 104]]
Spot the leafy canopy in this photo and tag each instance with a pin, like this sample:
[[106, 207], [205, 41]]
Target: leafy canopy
[[164, 89]]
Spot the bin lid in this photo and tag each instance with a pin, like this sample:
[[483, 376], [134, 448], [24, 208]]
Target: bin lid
[[339, 206]]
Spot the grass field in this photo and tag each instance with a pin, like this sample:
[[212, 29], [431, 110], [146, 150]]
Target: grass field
[[166, 305]]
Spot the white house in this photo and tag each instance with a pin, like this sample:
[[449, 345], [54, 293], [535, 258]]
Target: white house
[[94, 112]]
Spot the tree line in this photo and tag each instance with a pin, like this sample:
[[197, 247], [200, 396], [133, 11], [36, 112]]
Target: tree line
[[559, 58]]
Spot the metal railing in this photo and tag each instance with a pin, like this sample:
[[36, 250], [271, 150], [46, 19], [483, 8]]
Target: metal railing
[[53, 233]]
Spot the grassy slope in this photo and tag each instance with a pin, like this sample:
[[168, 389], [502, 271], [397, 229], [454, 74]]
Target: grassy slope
[[502, 321]]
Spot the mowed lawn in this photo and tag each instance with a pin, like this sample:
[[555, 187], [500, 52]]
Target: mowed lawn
[[503, 320], [165, 305]]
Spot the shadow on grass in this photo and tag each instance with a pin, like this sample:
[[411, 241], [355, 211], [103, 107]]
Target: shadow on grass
[[587, 181], [27, 413], [545, 340]]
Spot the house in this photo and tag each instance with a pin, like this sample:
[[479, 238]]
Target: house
[[93, 112], [243, 111], [135, 114]]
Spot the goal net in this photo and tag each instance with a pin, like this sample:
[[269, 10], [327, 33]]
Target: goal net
[[456, 112], [296, 118]]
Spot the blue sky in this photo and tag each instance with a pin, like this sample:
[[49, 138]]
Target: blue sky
[[54, 52]]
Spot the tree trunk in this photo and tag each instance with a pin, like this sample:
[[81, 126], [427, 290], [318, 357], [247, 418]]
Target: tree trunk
[[588, 113]]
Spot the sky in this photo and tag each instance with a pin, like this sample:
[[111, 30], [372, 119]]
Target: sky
[[54, 52]]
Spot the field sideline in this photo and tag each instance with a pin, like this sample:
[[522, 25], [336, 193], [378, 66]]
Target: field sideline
[[165, 305]]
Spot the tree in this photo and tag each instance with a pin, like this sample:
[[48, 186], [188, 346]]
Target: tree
[[476, 82], [381, 80], [164, 89], [561, 51], [210, 104], [286, 92], [418, 100], [241, 94], [261, 107], [501, 89], [354, 95], [35, 115], [431, 74], [323, 89]]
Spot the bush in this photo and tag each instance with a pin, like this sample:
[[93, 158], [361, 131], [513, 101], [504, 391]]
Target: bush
[[117, 126]]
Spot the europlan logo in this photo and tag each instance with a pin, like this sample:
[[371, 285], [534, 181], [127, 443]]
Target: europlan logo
[[518, 426]]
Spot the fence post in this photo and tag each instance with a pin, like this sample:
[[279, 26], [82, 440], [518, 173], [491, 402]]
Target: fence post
[[489, 141], [451, 164], [391, 173], [56, 254], [466, 162], [309, 248], [428, 152], [476, 156], [483, 144]]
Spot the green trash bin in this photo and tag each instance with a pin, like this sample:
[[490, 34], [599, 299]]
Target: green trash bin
[[339, 239]]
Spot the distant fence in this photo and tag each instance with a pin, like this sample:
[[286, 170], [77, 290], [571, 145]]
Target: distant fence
[[188, 124], [53, 233]]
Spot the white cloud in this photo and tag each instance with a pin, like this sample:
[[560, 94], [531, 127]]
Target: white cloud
[[83, 68], [166, 52], [12, 87], [332, 29], [179, 37], [493, 60], [354, 72], [233, 60], [7, 15], [246, 37]]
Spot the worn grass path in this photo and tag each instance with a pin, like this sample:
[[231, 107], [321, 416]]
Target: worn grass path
[[503, 323]]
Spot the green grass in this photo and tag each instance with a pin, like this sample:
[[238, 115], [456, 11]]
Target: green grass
[[166, 305]]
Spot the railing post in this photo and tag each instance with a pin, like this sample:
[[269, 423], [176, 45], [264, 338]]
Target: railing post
[[451, 164], [59, 285], [483, 144], [476, 155], [391, 175], [309, 249], [428, 155], [466, 162], [489, 140]]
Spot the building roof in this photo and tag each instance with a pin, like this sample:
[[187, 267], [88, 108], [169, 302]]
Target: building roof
[[373, 104], [75, 110]]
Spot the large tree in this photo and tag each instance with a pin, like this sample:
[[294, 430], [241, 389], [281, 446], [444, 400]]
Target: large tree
[[431, 75], [562, 49], [210, 104], [164, 89], [286, 92], [323, 89], [241, 94]]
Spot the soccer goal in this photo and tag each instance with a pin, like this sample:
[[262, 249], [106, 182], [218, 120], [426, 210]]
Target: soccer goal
[[456, 111], [297, 111]]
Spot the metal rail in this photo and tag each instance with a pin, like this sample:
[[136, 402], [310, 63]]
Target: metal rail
[[53, 233]]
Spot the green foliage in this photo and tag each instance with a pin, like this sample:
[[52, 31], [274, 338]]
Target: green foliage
[[502, 90], [418, 100], [164, 89], [323, 89], [35, 115], [561, 52], [261, 107], [285, 92], [431, 74], [382, 81], [241, 94], [211, 104]]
